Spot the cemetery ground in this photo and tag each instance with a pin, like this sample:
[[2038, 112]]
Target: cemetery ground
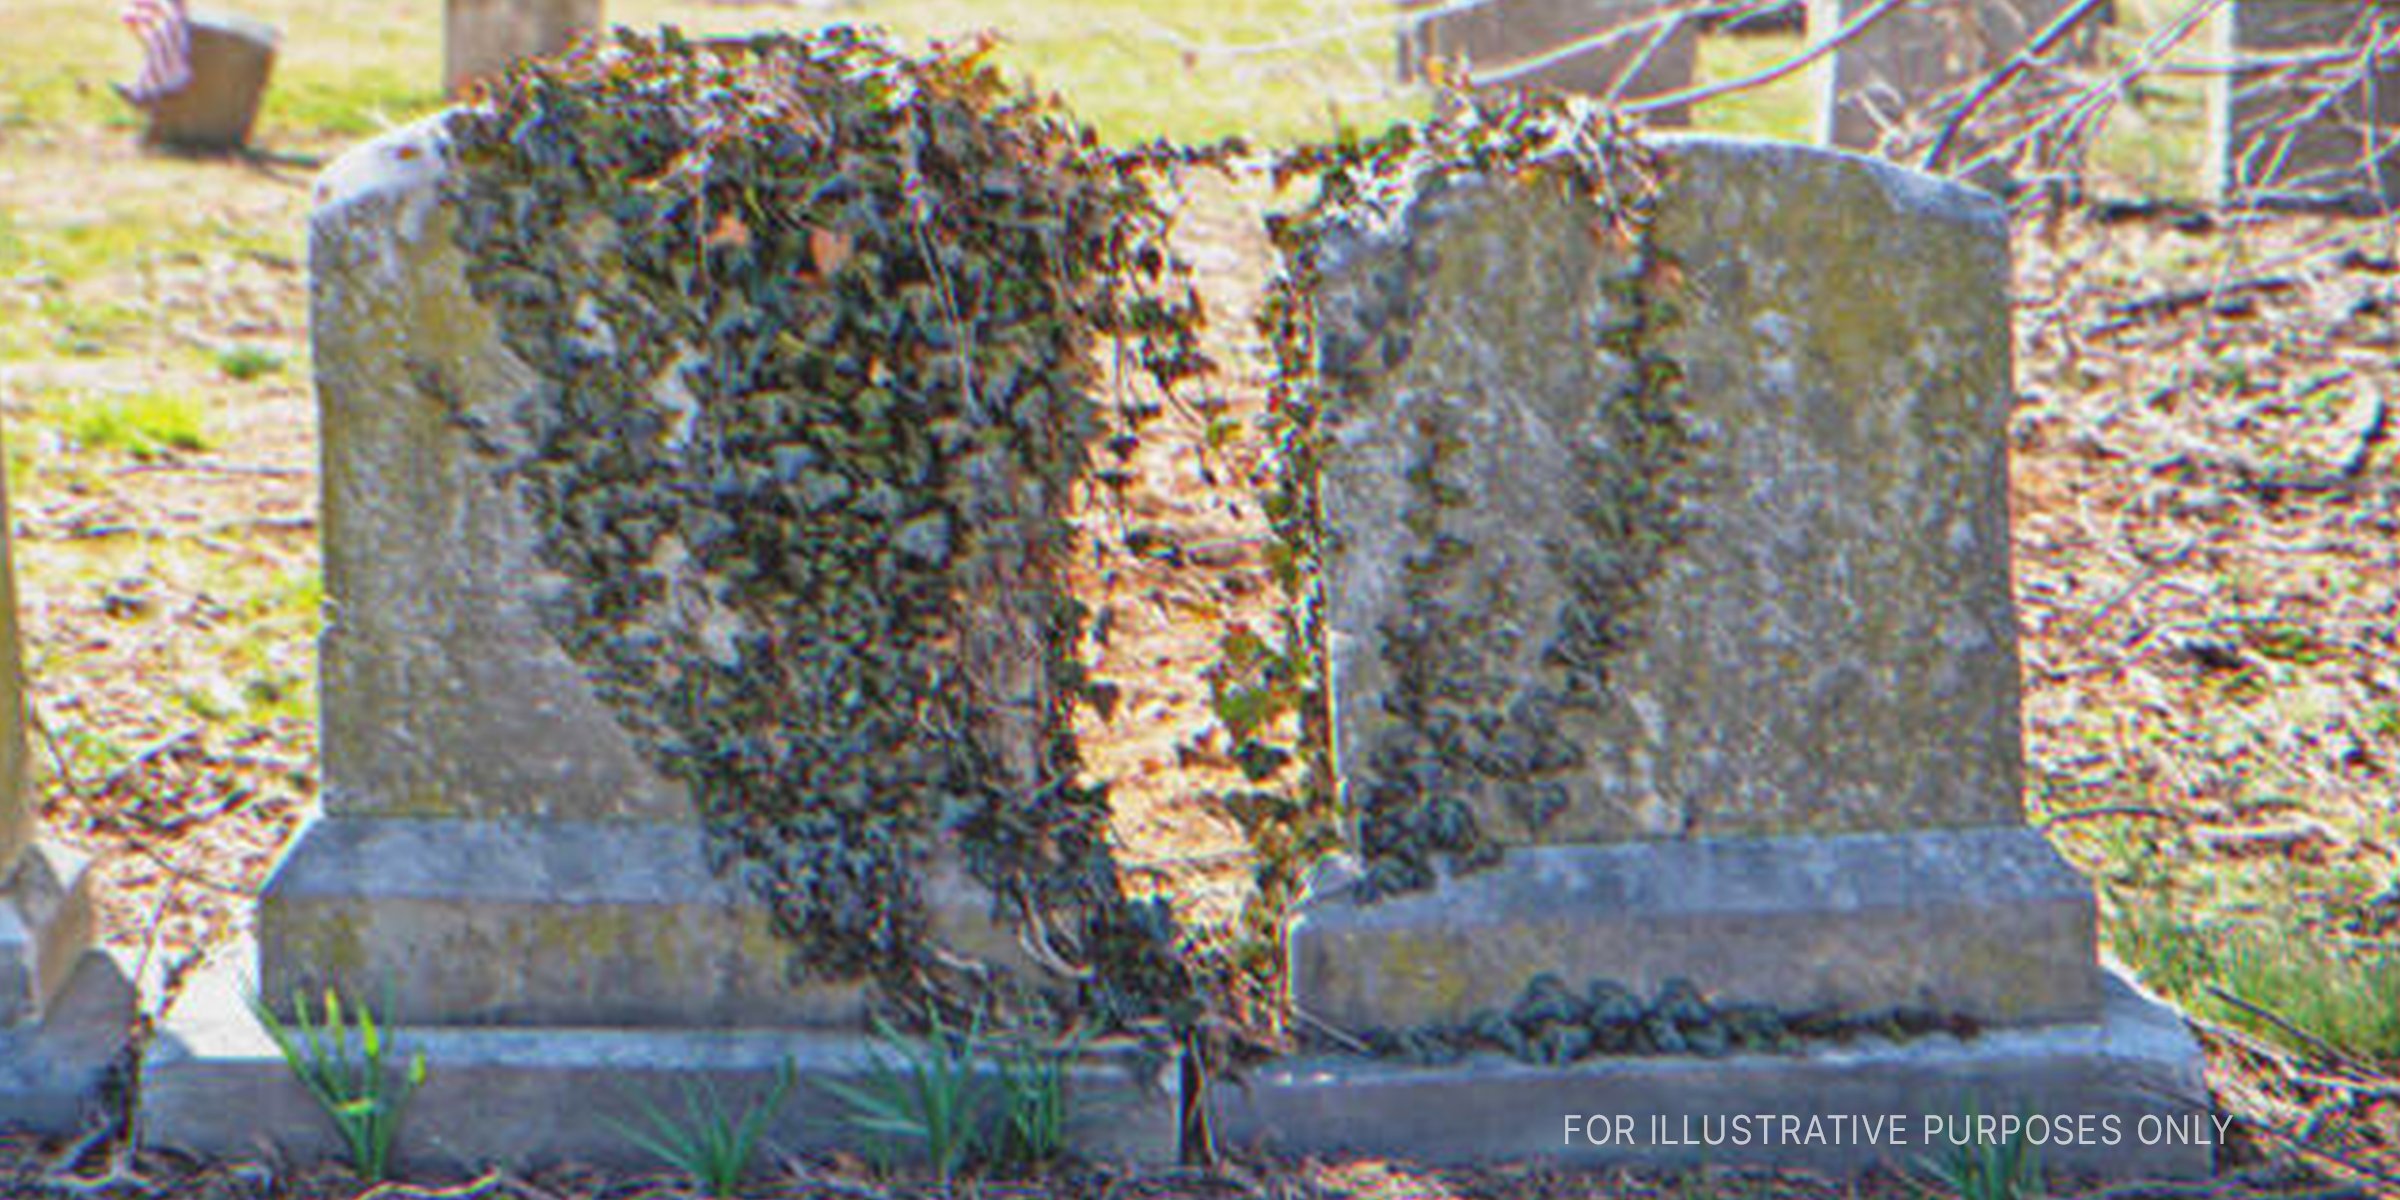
[[2206, 514]]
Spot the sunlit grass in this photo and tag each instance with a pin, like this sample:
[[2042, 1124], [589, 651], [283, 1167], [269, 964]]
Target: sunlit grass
[[142, 424]]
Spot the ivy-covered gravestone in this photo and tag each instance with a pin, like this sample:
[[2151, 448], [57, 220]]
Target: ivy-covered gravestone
[[699, 421], [1656, 506]]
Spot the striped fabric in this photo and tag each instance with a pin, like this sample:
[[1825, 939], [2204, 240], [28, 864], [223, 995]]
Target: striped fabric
[[166, 48]]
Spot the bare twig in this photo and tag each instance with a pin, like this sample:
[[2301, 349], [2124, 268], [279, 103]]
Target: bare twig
[[2320, 1045], [2103, 811], [2017, 64], [1344, 1038], [58, 756], [397, 1190], [1696, 95]]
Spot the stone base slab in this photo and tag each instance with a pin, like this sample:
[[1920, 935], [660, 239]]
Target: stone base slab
[[52, 1069], [214, 1084], [47, 922], [66, 1008], [2136, 1070], [560, 923], [1986, 923]]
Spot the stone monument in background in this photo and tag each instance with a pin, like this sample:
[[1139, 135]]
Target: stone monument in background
[[1893, 87], [1535, 44], [481, 38], [232, 59], [2313, 118]]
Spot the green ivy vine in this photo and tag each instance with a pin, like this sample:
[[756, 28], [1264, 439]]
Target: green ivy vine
[[820, 327], [1406, 820]]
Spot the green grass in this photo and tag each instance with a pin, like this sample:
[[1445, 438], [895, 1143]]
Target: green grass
[[54, 67], [90, 329], [355, 103], [1783, 109], [2350, 1000], [711, 1143], [353, 1070], [245, 363], [141, 424]]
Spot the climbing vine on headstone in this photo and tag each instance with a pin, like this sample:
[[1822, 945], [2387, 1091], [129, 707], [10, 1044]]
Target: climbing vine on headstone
[[818, 326], [1398, 808]]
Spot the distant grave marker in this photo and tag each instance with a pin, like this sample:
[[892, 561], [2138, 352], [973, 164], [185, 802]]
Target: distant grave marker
[[1893, 88], [482, 38], [1505, 38], [232, 59], [2313, 119]]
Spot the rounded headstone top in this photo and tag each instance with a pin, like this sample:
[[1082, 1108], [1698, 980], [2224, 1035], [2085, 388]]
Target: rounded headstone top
[[245, 28], [400, 161], [1911, 193]]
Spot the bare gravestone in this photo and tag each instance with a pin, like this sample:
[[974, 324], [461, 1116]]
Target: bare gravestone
[[2313, 116], [1539, 44], [231, 61], [1894, 88], [498, 866], [482, 38], [66, 1007], [1724, 676]]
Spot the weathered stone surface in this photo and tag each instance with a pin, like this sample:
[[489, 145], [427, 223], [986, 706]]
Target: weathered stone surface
[[1827, 646], [1688, 576], [2134, 1068], [1505, 37], [1893, 87], [1988, 923], [557, 923], [522, 1096], [444, 694], [482, 38], [495, 848], [526, 923], [2287, 131], [47, 924], [16, 794], [232, 58], [51, 1069]]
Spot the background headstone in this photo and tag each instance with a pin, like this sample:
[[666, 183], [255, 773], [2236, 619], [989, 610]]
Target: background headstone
[[232, 58], [1500, 35], [481, 38], [1892, 88], [2312, 121], [66, 1006]]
